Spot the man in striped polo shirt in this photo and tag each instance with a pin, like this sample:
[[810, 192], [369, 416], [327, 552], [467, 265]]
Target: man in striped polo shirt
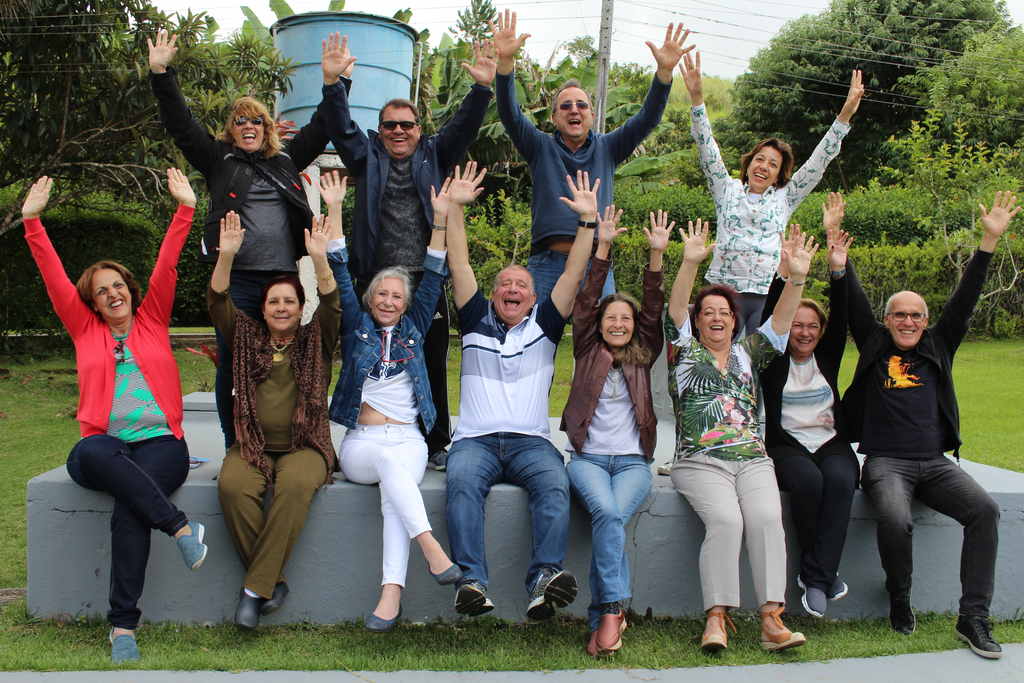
[[508, 358]]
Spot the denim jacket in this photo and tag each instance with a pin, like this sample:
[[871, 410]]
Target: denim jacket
[[360, 340]]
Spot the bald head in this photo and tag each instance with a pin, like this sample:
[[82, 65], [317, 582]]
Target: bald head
[[906, 317]]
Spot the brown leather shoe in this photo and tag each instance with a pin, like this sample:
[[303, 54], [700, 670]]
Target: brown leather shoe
[[715, 636], [609, 633], [774, 634]]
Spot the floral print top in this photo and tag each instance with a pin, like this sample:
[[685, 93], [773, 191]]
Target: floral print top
[[718, 413], [749, 229]]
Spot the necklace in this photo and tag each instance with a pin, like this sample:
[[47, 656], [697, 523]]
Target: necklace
[[279, 349]]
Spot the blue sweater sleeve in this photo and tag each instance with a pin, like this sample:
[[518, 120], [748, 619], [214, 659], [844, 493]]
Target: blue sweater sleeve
[[624, 139], [521, 130]]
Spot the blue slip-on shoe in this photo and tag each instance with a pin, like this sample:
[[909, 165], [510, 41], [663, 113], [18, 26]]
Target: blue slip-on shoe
[[192, 548], [123, 648], [378, 625], [449, 576], [838, 589]]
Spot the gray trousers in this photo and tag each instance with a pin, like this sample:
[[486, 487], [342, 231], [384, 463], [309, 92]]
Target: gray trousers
[[736, 500]]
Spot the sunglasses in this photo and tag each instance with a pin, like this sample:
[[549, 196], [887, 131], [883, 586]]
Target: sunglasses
[[580, 104], [391, 125], [242, 120]]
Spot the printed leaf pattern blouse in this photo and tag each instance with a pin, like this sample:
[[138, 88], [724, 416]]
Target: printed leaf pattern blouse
[[719, 413], [748, 238]]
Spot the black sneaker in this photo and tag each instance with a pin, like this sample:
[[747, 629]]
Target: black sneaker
[[438, 460], [554, 588], [901, 616], [977, 633], [471, 599]]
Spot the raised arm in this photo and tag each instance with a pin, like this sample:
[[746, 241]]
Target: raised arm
[[316, 246], [671, 51], [159, 299], [459, 190], [798, 261], [695, 250], [189, 135], [507, 44], [834, 340], [584, 203], [461, 129], [584, 309], [231, 230], [710, 157], [332, 191], [649, 325]]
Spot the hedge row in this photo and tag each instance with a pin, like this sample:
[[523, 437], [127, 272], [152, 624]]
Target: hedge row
[[892, 252]]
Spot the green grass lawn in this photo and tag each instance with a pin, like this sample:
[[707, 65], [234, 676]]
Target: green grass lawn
[[37, 429]]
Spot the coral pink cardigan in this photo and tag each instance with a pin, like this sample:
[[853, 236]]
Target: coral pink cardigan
[[148, 338]]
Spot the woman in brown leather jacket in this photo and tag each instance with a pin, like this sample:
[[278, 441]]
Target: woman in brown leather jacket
[[610, 419]]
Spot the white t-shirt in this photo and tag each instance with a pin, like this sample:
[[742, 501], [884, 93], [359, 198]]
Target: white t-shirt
[[388, 388], [807, 402], [613, 429]]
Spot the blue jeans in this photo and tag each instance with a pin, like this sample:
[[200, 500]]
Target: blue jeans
[[139, 475], [246, 293], [475, 464], [611, 487], [547, 266]]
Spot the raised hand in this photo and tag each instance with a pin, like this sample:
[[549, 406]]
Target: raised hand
[[833, 211], [161, 53], [286, 128], [660, 231], [38, 197], [668, 55], [317, 236], [335, 59], [231, 234], [852, 97], [798, 257], [440, 201], [333, 187], [506, 42], [584, 197], [695, 241], [179, 187], [839, 242], [608, 225], [466, 185], [1004, 208], [484, 64], [690, 70]]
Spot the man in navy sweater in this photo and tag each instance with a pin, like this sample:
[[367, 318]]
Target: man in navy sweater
[[573, 146]]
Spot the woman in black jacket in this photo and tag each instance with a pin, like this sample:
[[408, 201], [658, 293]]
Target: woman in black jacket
[[804, 424], [251, 171]]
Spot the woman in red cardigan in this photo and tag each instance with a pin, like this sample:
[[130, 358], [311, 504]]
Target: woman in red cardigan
[[609, 418], [129, 400]]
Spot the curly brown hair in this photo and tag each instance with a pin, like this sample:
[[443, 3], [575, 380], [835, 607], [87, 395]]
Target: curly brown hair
[[251, 107], [84, 284], [780, 146]]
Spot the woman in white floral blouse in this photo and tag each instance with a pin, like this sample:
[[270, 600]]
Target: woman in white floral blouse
[[752, 212], [721, 465]]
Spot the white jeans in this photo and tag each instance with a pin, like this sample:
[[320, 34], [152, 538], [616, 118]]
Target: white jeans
[[396, 457]]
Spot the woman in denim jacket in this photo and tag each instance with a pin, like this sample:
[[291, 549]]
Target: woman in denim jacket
[[383, 398]]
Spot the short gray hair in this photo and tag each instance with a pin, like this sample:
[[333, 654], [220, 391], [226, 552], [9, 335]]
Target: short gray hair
[[397, 272], [497, 278], [888, 302]]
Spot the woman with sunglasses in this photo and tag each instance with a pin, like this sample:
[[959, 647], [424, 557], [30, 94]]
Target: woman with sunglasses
[[383, 395], [609, 418], [250, 170], [129, 401], [752, 212], [282, 370]]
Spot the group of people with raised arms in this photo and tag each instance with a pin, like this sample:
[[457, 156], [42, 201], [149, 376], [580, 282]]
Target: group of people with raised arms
[[753, 366]]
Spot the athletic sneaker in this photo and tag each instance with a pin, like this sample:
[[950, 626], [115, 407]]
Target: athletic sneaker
[[553, 588]]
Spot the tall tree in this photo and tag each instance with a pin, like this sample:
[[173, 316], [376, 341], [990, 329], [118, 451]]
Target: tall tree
[[474, 21], [796, 85], [75, 99]]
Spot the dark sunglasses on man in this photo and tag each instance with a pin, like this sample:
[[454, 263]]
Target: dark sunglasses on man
[[391, 125], [580, 104], [242, 120]]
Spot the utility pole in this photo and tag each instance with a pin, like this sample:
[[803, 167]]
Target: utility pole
[[604, 51]]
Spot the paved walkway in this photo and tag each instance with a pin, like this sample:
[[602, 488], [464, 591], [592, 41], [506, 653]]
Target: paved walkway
[[952, 666]]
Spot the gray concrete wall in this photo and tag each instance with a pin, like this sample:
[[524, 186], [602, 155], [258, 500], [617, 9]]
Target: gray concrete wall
[[334, 572]]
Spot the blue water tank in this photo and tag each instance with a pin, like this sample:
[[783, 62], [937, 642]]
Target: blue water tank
[[384, 48]]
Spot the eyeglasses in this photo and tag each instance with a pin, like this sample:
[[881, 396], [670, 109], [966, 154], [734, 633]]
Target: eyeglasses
[[582, 105], [901, 316], [813, 327], [391, 125], [242, 120]]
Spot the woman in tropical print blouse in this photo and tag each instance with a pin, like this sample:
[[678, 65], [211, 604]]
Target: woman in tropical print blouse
[[720, 465]]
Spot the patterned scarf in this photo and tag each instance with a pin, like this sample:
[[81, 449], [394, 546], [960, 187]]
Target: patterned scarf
[[252, 364]]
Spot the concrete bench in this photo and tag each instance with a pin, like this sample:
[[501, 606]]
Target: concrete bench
[[334, 572]]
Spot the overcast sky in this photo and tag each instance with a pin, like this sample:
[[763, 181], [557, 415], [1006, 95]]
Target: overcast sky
[[728, 32]]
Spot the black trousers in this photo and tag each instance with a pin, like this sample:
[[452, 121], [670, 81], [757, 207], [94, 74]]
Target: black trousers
[[436, 349], [891, 483], [820, 487], [139, 476]]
